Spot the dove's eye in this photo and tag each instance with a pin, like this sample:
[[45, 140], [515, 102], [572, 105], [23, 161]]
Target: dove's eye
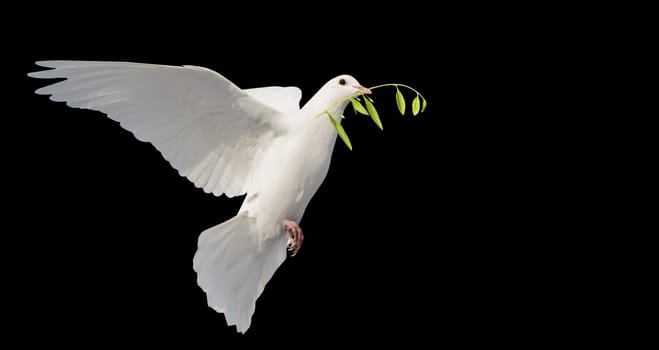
[[342, 81]]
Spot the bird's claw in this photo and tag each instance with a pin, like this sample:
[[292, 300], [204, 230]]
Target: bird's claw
[[295, 236]]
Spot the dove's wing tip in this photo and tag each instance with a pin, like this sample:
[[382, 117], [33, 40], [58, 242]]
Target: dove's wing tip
[[45, 74], [74, 63], [48, 64], [52, 63], [39, 74]]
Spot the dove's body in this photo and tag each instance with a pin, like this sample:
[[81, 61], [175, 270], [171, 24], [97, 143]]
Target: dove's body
[[225, 140], [289, 173], [292, 169]]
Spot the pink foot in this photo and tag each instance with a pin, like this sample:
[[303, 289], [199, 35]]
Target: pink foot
[[295, 236]]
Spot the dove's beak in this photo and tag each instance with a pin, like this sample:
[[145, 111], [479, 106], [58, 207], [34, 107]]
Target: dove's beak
[[363, 90]]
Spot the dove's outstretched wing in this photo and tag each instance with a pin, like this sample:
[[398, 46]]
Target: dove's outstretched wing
[[209, 130]]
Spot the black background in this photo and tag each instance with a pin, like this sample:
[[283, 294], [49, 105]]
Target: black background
[[433, 230]]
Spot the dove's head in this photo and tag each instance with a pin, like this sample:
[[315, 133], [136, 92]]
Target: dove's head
[[344, 86], [333, 97], [335, 94]]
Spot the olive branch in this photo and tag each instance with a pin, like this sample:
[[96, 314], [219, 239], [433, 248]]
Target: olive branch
[[418, 106]]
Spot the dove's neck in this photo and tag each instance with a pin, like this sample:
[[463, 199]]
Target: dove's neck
[[317, 105], [312, 123]]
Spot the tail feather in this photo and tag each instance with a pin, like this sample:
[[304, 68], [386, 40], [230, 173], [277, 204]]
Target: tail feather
[[233, 266]]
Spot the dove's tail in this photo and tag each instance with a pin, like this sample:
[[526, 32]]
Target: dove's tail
[[233, 266]]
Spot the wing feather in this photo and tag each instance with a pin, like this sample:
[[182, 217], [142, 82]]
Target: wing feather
[[205, 126]]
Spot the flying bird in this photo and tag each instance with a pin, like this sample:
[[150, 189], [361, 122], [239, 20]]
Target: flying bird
[[226, 140]]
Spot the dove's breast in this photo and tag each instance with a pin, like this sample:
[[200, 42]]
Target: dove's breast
[[290, 173]]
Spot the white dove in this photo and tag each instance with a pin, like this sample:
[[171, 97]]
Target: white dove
[[225, 140]]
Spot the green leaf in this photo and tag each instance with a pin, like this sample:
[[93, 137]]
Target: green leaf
[[358, 107], [369, 98], [340, 131], [415, 105], [373, 113], [400, 102], [423, 104]]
